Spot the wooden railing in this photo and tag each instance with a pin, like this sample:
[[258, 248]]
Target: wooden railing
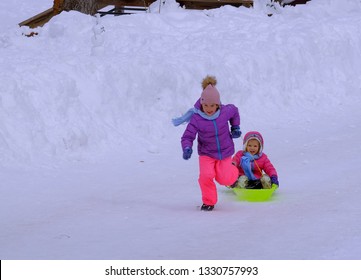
[[58, 7], [209, 4]]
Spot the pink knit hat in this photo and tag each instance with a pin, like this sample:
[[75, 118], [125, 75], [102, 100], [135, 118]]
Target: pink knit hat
[[253, 135], [210, 95]]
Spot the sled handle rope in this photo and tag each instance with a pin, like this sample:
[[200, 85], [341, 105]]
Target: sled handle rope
[[257, 165]]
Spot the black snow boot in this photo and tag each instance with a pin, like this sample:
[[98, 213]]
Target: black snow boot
[[206, 207]]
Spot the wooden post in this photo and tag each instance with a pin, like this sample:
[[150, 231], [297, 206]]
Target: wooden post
[[58, 6]]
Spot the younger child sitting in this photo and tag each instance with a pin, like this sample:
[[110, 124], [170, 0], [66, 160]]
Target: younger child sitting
[[252, 163]]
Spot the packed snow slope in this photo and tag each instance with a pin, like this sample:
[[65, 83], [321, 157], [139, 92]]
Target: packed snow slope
[[91, 166]]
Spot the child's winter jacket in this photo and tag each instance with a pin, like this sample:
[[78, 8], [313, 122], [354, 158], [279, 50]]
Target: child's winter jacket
[[263, 163], [214, 138]]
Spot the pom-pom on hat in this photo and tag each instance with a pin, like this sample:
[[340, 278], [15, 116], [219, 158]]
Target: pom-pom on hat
[[253, 135], [210, 94]]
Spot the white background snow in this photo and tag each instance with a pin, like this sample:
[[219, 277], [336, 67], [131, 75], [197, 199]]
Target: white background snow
[[91, 166]]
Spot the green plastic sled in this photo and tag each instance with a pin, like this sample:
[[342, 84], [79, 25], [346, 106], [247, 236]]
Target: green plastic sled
[[254, 195]]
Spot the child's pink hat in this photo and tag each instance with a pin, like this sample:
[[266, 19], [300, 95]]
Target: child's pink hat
[[253, 135], [210, 95]]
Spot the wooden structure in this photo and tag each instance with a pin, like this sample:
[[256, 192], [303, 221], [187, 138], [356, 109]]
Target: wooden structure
[[211, 4], [121, 6]]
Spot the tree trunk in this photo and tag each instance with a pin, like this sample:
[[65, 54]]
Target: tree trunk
[[84, 6]]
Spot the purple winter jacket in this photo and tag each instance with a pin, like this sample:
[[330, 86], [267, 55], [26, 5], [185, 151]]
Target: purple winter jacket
[[214, 137]]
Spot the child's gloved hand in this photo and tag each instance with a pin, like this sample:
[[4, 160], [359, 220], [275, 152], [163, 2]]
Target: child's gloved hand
[[274, 181], [187, 152], [236, 131]]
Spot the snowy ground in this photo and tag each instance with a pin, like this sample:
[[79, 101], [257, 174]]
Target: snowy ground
[[91, 166]]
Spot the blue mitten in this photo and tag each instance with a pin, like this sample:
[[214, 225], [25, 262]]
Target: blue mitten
[[274, 180], [236, 131], [187, 152]]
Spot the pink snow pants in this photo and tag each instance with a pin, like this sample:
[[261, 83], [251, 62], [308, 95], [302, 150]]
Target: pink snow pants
[[210, 169]]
